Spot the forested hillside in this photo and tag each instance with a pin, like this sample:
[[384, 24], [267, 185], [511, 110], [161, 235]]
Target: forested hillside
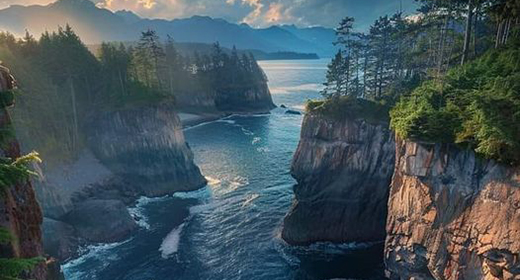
[[63, 85], [451, 74]]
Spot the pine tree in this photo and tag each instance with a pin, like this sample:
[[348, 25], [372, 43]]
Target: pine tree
[[335, 84]]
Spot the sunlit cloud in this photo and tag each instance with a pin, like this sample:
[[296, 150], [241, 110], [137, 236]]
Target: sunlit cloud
[[257, 13], [274, 13], [7, 3]]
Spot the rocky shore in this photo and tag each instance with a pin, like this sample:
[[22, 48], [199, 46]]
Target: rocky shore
[[130, 153]]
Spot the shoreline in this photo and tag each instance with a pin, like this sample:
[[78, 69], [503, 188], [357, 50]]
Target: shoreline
[[190, 119]]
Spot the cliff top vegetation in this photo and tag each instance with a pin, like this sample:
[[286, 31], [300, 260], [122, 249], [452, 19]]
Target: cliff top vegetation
[[451, 74], [349, 107], [476, 105]]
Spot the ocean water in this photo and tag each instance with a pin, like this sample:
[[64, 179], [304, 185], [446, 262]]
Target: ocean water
[[231, 228]]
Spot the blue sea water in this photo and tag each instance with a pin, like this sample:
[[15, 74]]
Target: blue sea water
[[230, 229]]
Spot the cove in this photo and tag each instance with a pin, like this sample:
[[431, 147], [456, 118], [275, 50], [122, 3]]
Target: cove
[[230, 229]]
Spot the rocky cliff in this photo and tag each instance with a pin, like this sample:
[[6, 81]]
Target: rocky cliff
[[20, 212], [253, 98], [452, 215], [130, 153], [343, 169], [146, 146], [256, 98]]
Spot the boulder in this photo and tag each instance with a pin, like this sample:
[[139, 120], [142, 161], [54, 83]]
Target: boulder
[[102, 221]]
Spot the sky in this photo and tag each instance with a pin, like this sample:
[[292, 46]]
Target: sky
[[257, 13]]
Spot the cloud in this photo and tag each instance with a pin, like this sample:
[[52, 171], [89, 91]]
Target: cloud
[[7, 3], [258, 13], [274, 14]]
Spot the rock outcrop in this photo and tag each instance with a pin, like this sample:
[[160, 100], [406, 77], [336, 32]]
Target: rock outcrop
[[146, 146], [59, 239], [343, 169], [20, 212], [256, 98], [130, 153], [102, 220], [452, 215], [253, 98]]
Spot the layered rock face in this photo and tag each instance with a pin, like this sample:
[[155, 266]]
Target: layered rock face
[[257, 98], [20, 212], [343, 169], [131, 153], [452, 216], [146, 146]]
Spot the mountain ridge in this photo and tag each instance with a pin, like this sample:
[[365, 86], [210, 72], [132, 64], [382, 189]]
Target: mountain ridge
[[95, 25]]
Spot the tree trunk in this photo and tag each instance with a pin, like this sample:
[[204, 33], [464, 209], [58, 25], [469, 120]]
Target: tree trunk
[[467, 34], [74, 114], [170, 73], [499, 34], [444, 30], [475, 28], [121, 83]]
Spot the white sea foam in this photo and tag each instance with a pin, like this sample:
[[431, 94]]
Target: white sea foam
[[226, 121], [256, 140], [247, 131], [137, 212], [170, 244], [140, 218], [238, 182], [202, 193], [97, 251], [262, 149], [250, 198]]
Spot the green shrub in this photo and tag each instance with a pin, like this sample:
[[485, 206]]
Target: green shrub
[[477, 105], [6, 98], [13, 172], [10, 269], [349, 107]]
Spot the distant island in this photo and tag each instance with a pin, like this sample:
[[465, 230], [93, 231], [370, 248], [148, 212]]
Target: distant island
[[189, 49], [283, 55]]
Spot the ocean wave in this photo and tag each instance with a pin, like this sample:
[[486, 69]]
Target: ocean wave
[[247, 131], [250, 198], [256, 140], [298, 88], [225, 120], [140, 218], [213, 181], [200, 194], [170, 244], [263, 149], [137, 212], [94, 251]]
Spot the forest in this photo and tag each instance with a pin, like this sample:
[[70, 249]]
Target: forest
[[62, 84], [449, 74]]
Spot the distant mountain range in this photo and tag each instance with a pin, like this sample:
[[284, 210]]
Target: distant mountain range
[[95, 25]]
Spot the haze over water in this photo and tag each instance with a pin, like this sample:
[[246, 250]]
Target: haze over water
[[230, 229]]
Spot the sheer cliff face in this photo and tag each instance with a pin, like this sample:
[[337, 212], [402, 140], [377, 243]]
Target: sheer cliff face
[[20, 212], [256, 98], [343, 169], [146, 146], [452, 216]]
